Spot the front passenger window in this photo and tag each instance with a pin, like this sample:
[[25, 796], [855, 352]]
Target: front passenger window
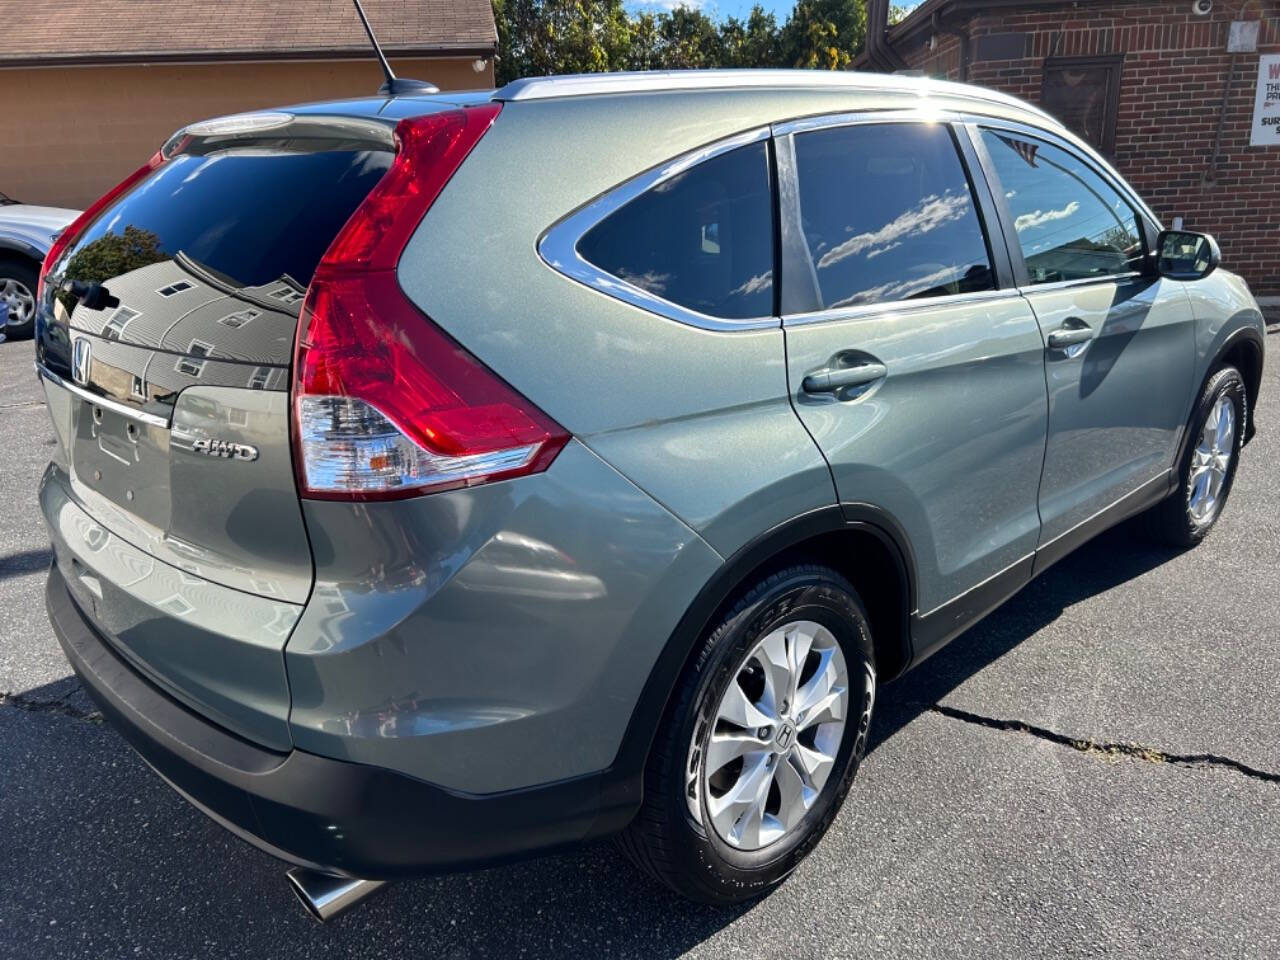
[[1071, 224]]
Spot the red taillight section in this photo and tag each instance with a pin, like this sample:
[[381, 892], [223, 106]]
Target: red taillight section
[[386, 404], [78, 225]]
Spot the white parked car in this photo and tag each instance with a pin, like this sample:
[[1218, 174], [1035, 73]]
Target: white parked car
[[26, 233]]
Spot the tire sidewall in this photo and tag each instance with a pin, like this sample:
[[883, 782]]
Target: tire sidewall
[[809, 597], [1225, 382]]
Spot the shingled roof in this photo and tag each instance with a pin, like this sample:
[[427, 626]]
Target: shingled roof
[[49, 32]]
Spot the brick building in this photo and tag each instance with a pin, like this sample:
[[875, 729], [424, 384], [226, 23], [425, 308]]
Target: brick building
[[1152, 86], [90, 88]]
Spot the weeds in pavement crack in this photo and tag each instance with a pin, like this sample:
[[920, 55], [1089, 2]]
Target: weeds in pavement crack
[[59, 707], [1112, 751]]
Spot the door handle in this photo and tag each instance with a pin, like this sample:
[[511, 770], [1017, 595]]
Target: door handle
[[1069, 336], [832, 380]]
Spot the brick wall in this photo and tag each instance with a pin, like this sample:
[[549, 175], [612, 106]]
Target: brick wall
[[1171, 89]]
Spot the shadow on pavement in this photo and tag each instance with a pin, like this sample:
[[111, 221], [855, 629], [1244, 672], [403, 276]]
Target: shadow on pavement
[[1116, 556]]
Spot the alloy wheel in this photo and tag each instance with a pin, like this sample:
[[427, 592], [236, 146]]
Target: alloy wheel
[[22, 303], [1210, 462], [774, 737]]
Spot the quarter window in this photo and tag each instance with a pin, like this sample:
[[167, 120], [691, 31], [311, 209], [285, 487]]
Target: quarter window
[[1071, 224], [702, 239], [888, 214]]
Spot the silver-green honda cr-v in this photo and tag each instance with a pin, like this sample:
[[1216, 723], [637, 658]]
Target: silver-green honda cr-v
[[441, 479]]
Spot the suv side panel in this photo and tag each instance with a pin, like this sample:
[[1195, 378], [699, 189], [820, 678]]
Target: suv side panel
[[490, 638], [699, 418]]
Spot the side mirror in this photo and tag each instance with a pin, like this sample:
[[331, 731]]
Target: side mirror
[[1182, 255]]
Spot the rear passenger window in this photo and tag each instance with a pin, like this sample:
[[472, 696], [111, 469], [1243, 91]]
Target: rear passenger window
[[702, 239], [1071, 225], [888, 214]]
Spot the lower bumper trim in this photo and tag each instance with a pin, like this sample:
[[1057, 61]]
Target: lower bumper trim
[[342, 818]]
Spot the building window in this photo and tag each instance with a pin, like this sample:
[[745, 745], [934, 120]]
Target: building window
[[118, 321], [239, 318], [286, 295], [139, 388], [1084, 93], [173, 288], [258, 379], [193, 365]]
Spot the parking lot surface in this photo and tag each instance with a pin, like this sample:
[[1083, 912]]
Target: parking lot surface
[[1093, 770]]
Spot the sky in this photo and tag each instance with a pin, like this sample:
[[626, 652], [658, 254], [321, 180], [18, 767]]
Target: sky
[[718, 8], [728, 8]]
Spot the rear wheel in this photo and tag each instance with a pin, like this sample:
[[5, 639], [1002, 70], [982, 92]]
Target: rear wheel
[[762, 742], [1208, 467], [18, 279]]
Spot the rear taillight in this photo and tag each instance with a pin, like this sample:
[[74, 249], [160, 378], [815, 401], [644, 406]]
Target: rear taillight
[[385, 403], [78, 225]]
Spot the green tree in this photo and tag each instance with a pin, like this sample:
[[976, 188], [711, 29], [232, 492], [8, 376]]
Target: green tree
[[112, 255], [755, 43], [824, 34], [543, 37], [688, 39]]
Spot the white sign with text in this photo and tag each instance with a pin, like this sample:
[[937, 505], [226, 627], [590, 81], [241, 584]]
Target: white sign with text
[[1266, 104]]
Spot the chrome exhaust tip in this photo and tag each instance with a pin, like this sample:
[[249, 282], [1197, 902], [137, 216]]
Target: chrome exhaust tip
[[327, 897]]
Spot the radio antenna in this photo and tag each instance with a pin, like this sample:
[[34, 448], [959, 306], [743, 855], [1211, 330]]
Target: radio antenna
[[394, 86]]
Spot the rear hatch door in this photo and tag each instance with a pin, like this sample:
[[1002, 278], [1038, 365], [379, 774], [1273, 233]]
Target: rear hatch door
[[165, 341]]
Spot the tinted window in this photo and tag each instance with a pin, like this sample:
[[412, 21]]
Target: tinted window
[[702, 239], [888, 214], [250, 216], [1070, 224]]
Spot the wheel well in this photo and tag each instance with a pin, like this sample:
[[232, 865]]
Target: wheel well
[[1246, 357], [877, 571], [9, 255]]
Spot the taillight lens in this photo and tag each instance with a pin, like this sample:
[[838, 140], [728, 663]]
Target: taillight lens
[[78, 225], [386, 404]]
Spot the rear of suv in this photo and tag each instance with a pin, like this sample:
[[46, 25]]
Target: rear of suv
[[442, 479]]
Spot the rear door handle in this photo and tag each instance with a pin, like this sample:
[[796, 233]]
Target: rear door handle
[[831, 380], [1069, 336]]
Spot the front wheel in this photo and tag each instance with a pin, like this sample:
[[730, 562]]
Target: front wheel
[[18, 281], [1208, 467], [762, 741]]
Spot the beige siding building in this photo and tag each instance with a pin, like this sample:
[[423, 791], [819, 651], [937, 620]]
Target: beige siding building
[[89, 89]]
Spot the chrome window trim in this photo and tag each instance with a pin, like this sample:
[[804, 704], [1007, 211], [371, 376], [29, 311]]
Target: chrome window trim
[[141, 416], [1030, 288], [835, 314], [558, 245]]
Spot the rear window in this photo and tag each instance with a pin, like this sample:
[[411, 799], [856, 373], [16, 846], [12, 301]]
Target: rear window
[[702, 239], [250, 216]]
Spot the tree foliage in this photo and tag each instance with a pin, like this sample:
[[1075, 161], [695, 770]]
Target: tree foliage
[[543, 37]]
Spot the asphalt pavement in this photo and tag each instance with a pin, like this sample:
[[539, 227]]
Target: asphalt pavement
[[1094, 770]]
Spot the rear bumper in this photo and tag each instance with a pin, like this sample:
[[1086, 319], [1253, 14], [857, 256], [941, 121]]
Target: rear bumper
[[345, 818]]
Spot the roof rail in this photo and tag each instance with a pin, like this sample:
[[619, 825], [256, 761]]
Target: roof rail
[[597, 84]]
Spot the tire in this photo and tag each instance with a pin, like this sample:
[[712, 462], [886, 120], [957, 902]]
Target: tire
[[675, 837], [18, 283], [1181, 520]]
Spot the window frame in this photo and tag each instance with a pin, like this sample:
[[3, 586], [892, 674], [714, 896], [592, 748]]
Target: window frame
[[558, 245], [801, 303], [1114, 64], [1149, 225]]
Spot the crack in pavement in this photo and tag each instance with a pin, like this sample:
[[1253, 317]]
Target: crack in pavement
[[59, 707], [1113, 750]]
